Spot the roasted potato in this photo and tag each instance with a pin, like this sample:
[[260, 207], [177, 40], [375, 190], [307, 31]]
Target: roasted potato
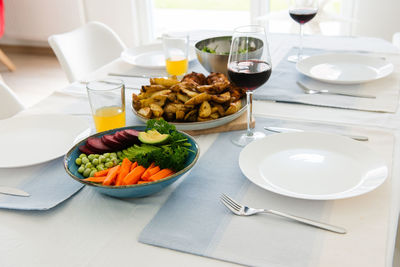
[[194, 98], [198, 99], [168, 82], [205, 109]]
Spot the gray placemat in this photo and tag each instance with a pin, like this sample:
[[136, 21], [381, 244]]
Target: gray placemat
[[47, 184], [193, 220], [282, 87]]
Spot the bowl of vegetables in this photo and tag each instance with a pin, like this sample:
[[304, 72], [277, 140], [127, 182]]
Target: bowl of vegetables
[[213, 53], [133, 161]]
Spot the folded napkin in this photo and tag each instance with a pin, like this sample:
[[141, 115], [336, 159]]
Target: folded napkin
[[193, 220], [48, 185], [282, 87]]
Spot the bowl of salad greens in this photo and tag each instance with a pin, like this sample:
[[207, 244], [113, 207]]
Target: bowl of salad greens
[[133, 161], [213, 53]]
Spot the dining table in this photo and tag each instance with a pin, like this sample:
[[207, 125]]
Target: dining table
[[92, 229]]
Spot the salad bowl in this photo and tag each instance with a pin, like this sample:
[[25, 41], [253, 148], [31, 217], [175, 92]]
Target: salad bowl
[[128, 191]]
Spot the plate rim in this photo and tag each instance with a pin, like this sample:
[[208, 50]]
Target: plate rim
[[126, 54], [201, 125], [340, 195], [82, 135], [300, 68]]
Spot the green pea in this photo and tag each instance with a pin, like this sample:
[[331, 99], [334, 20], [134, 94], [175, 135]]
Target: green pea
[[96, 156], [113, 155], [85, 160], [92, 173], [100, 167], [86, 172], [81, 169], [78, 161], [88, 165], [119, 154], [106, 155], [82, 155], [109, 164], [102, 159], [95, 162], [91, 157]]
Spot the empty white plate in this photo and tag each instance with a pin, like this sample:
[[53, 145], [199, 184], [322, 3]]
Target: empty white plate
[[33, 139], [312, 165], [149, 56], [343, 68]]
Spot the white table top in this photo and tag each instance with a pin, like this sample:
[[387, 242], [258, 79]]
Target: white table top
[[91, 229]]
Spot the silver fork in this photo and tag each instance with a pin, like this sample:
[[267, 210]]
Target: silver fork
[[242, 210], [324, 91]]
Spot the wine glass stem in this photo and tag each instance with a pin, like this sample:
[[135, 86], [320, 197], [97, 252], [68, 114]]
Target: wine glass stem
[[300, 52], [249, 97]]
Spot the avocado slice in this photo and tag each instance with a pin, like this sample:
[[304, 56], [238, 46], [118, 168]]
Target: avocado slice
[[153, 137]]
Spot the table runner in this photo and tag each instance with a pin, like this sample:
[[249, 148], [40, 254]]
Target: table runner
[[48, 185], [193, 220], [282, 87]]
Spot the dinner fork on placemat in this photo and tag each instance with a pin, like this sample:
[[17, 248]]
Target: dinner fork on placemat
[[242, 210]]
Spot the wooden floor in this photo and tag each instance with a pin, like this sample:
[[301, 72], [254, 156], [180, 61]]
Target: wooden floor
[[36, 77]]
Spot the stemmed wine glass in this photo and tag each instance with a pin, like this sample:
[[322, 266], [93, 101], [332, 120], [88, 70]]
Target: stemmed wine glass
[[302, 11], [249, 67]]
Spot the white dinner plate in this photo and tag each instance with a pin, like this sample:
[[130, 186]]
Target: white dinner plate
[[312, 165], [342, 68], [149, 56], [32, 139], [201, 125]]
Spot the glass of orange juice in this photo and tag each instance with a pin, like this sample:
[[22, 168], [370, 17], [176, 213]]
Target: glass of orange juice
[[107, 101], [176, 47]]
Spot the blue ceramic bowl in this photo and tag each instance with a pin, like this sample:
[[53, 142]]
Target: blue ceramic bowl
[[128, 191]]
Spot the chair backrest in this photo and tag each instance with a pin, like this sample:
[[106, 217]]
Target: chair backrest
[[396, 39], [9, 102], [86, 49]]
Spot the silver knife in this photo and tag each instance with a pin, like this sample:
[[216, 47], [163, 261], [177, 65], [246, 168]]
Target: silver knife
[[13, 191], [289, 130], [131, 75]]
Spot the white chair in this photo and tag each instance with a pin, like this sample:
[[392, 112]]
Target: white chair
[[86, 49], [9, 102], [396, 39]]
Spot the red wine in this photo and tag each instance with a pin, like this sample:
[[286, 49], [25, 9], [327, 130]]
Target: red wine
[[302, 15], [249, 74]]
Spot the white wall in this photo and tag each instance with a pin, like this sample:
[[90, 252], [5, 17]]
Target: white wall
[[376, 18], [31, 22]]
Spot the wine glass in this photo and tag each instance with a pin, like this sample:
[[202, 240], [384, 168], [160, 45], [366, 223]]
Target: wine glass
[[249, 67], [302, 11]]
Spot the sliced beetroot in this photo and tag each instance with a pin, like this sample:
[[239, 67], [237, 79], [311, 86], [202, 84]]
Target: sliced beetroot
[[95, 143], [131, 132], [133, 136], [110, 141], [121, 137], [84, 149]]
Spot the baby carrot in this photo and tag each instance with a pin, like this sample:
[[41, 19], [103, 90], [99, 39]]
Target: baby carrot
[[147, 174], [148, 169], [94, 179], [124, 170], [101, 173], [111, 175], [161, 174], [143, 182], [134, 176], [134, 165]]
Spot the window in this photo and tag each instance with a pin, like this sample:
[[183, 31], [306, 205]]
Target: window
[[204, 14]]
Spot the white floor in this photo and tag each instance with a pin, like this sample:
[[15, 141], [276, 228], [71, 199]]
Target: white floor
[[36, 77]]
